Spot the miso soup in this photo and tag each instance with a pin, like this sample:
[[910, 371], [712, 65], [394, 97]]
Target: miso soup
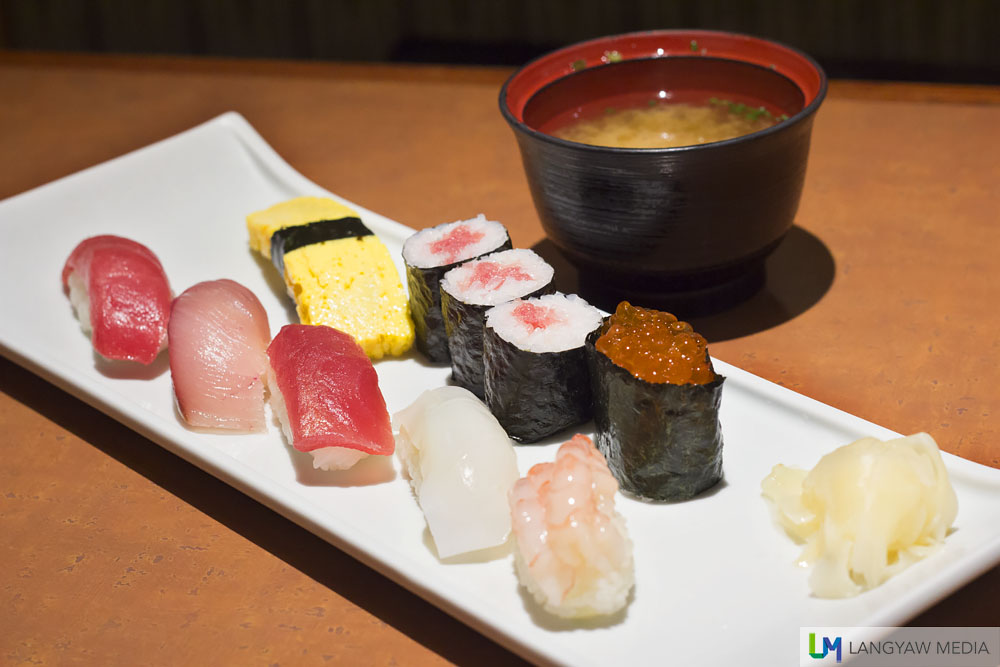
[[664, 125], [663, 102]]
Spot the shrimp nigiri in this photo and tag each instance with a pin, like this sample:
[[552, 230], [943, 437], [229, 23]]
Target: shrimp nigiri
[[573, 552]]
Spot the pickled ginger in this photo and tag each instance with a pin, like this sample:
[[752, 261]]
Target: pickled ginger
[[867, 511]]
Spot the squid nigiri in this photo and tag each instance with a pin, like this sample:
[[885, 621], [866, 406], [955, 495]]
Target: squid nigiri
[[218, 333], [324, 391], [121, 296], [461, 465], [573, 551]]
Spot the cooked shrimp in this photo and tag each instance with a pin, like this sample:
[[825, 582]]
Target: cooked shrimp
[[573, 552]]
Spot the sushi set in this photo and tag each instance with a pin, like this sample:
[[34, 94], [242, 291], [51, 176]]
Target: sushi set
[[684, 554]]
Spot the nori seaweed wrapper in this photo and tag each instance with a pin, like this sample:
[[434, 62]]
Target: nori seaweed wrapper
[[464, 324], [293, 237], [425, 305], [535, 394], [662, 441]]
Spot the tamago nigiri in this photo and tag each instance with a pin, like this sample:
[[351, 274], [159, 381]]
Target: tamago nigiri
[[573, 552]]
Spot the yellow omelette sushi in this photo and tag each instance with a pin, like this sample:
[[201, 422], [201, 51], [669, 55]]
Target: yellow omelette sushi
[[337, 271]]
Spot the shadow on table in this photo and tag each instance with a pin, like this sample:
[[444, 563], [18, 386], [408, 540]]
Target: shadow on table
[[298, 547], [798, 273]]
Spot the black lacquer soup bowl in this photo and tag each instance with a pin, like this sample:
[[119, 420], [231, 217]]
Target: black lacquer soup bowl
[[688, 225]]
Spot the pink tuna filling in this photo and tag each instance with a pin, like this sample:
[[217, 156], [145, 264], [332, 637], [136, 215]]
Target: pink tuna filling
[[451, 245], [537, 317], [492, 275]]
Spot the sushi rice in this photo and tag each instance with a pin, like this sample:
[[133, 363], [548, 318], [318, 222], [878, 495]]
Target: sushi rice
[[572, 318]]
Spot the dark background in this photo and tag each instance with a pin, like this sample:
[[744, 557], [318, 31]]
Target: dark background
[[909, 40]]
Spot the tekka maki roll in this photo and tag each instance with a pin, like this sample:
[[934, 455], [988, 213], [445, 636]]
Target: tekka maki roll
[[470, 289], [536, 378], [656, 404], [428, 255]]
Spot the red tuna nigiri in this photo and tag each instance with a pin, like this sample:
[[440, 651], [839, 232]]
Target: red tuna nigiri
[[325, 393], [121, 296], [218, 336]]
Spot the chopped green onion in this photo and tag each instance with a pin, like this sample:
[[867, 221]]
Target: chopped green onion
[[741, 109], [613, 56], [694, 45], [578, 65]]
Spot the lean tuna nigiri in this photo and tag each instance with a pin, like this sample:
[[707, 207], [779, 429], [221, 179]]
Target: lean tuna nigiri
[[461, 465], [218, 339], [121, 297], [325, 393], [573, 552]]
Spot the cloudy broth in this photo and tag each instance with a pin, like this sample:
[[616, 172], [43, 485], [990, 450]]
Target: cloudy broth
[[663, 102], [661, 124]]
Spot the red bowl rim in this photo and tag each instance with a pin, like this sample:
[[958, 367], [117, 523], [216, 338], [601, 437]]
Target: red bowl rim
[[795, 65]]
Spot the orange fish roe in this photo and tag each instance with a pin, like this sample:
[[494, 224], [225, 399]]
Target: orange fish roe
[[655, 346]]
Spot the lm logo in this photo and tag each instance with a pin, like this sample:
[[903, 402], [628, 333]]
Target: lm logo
[[827, 647]]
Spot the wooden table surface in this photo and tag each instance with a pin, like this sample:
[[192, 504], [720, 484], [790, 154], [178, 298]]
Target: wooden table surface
[[881, 302]]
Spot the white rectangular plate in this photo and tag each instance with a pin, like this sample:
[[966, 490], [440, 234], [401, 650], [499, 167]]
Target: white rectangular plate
[[715, 580]]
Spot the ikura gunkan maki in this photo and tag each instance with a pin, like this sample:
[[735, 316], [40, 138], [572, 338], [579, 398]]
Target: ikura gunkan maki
[[656, 404], [470, 289], [536, 379], [428, 255]]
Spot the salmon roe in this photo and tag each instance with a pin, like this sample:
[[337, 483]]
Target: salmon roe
[[655, 346]]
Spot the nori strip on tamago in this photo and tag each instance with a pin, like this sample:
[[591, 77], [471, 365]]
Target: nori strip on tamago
[[534, 394], [662, 441], [425, 305], [464, 324], [293, 237]]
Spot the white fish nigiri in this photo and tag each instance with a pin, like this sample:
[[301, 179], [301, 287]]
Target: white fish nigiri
[[461, 465], [218, 334], [573, 551]]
